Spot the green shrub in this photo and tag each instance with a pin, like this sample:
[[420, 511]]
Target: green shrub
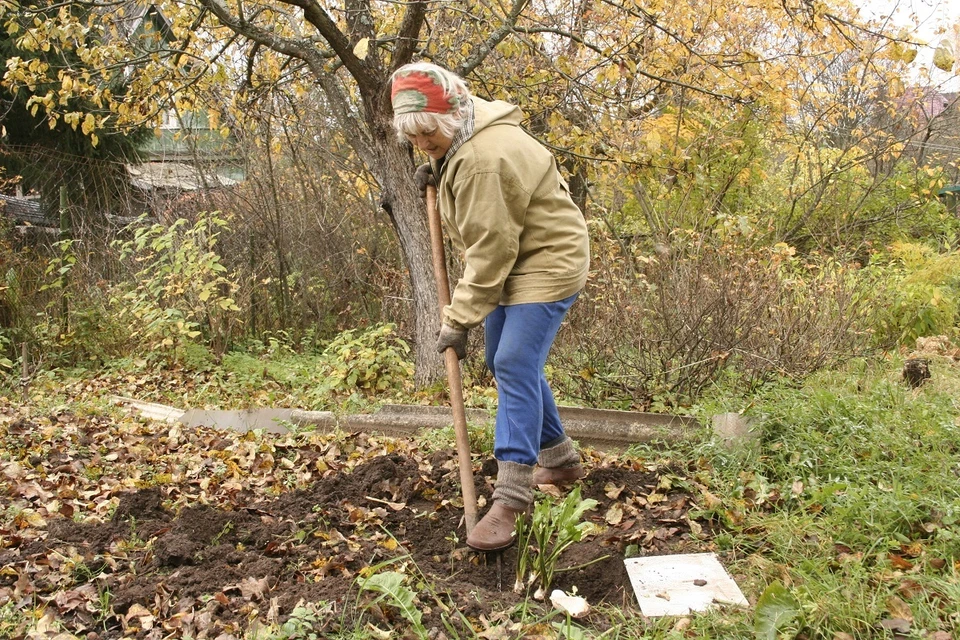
[[370, 360], [179, 291], [917, 293]]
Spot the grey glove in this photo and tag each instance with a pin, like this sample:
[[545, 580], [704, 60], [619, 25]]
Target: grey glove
[[423, 176], [452, 338]]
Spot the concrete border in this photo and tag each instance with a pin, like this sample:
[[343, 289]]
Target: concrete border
[[599, 428]]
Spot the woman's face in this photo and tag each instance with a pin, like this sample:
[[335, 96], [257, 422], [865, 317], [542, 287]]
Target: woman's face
[[433, 143]]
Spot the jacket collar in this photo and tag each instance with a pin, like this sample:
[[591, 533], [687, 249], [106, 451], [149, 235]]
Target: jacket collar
[[462, 135]]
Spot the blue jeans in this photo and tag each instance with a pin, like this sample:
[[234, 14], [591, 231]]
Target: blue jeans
[[518, 339]]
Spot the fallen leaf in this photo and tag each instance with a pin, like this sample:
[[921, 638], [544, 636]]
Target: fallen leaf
[[396, 506], [142, 614], [614, 515], [897, 608], [551, 490], [72, 599], [910, 589], [896, 624], [252, 588], [613, 491], [390, 544]]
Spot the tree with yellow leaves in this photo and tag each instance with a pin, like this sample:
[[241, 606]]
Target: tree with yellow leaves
[[677, 113]]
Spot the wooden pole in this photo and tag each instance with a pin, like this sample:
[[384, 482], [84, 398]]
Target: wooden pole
[[65, 234], [453, 366], [25, 372]]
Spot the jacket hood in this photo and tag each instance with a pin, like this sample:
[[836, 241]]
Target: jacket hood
[[483, 114], [488, 113]]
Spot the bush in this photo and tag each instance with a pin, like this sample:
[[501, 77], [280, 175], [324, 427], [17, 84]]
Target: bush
[[370, 360], [918, 293], [658, 336], [180, 291]]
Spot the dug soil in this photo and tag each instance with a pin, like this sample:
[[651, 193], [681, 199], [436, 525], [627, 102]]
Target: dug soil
[[209, 571]]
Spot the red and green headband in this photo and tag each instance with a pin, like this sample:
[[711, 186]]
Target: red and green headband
[[421, 91]]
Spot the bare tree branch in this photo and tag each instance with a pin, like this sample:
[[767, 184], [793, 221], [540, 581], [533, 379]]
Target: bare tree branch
[[408, 37], [487, 46], [338, 41]]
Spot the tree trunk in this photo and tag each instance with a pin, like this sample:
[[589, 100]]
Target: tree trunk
[[401, 200]]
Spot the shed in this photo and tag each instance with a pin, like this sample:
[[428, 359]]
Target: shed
[[951, 197]]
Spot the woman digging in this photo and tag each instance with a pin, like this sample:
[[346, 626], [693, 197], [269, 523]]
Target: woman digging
[[526, 256]]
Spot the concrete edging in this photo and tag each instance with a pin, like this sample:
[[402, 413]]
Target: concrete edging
[[600, 428]]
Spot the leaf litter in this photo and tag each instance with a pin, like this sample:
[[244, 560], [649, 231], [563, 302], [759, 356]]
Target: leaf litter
[[124, 527]]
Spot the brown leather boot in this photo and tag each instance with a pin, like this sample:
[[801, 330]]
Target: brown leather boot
[[512, 495], [559, 463], [496, 530], [558, 475]]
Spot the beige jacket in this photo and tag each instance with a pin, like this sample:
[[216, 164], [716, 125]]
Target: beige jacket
[[506, 207]]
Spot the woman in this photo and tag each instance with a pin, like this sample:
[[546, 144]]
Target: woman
[[526, 256]]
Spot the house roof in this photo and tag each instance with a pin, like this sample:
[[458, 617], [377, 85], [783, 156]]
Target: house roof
[[152, 176], [131, 16], [24, 210]]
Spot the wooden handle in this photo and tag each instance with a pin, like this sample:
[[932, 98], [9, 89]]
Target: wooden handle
[[454, 381]]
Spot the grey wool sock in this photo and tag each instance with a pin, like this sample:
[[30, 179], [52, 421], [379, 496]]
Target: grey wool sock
[[559, 455], [514, 486]]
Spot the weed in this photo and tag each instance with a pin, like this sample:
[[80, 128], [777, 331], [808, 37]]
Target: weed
[[306, 622], [389, 585], [541, 541], [225, 531]]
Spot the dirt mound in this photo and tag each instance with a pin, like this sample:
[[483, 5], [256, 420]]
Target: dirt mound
[[210, 565]]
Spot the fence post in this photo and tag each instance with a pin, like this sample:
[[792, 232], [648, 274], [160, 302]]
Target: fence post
[[25, 372], [65, 233]]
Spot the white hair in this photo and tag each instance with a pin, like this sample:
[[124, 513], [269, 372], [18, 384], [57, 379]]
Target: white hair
[[411, 124]]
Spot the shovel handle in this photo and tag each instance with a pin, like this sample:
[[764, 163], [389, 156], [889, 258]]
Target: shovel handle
[[454, 382]]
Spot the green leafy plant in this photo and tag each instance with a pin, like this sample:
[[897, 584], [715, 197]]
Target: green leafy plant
[[389, 585], [919, 293], [181, 290], [369, 360], [776, 609], [543, 539], [306, 622]]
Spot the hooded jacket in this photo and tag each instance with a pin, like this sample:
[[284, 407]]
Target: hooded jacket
[[508, 210]]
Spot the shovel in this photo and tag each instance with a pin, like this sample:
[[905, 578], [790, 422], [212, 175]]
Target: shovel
[[453, 366]]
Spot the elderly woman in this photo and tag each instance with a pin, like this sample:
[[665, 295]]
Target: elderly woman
[[526, 256]]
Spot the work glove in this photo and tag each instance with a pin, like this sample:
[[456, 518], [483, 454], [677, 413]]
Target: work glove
[[451, 337], [423, 176]]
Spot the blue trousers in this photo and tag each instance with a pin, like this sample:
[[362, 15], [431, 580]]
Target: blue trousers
[[518, 339]]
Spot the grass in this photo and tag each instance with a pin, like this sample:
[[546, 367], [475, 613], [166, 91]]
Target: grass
[[850, 500]]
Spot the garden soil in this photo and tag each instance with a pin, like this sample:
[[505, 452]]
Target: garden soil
[[211, 570]]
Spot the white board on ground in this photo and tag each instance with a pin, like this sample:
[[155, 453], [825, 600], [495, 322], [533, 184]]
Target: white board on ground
[[676, 585]]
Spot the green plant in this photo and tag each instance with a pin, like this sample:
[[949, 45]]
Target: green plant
[[389, 585], [919, 293], [371, 360], [849, 501], [306, 622], [180, 290], [13, 619], [776, 609], [543, 539]]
